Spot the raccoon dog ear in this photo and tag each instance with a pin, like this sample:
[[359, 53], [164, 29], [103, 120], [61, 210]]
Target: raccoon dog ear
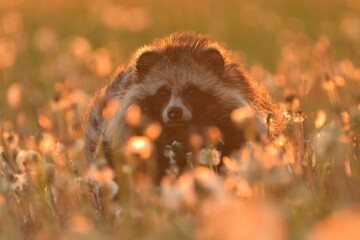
[[212, 59], [145, 61]]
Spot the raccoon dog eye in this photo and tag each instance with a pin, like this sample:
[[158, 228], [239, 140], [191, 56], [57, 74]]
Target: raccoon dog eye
[[191, 90], [163, 92]]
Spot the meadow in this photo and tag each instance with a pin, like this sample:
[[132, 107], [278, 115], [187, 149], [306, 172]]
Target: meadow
[[304, 184]]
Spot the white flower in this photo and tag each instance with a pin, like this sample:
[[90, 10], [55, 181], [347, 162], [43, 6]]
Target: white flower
[[209, 156]]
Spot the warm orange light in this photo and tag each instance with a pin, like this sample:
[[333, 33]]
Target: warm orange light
[[45, 122], [328, 85], [2, 199], [242, 115], [111, 107], [100, 62], [281, 140], [243, 189], [350, 27], [8, 52], [214, 134], [203, 174], [14, 94], [230, 164], [347, 167], [46, 40], [320, 119], [196, 141], [133, 115], [47, 143], [80, 47], [345, 118], [107, 174], [339, 81], [153, 131], [11, 22], [139, 145], [80, 224]]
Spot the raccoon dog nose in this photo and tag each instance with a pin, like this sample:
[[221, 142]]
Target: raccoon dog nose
[[175, 113]]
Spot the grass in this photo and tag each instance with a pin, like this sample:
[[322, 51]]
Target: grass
[[302, 185]]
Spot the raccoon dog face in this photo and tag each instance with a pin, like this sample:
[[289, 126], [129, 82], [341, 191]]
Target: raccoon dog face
[[178, 89]]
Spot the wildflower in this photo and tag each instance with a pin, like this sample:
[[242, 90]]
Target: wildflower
[[269, 118], [61, 158], [100, 62], [169, 152], [80, 224], [47, 143], [11, 22], [345, 118], [339, 81], [101, 174], [242, 115], [133, 115], [280, 140], [190, 160], [243, 188], [214, 134], [293, 102], [230, 164], [110, 109], [46, 40], [153, 131], [126, 168], [330, 87], [45, 122], [21, 180], [347, 168], [32, 162], [109, 189], [8, 53], [14, 95], [11, 140], [170, 193], [178, 145], [299, 117], [196, 141], [80, 47], [186, 187], [139, 145], [207, 182], [209, 156], [350, 26], [21, 159], [320, 119]]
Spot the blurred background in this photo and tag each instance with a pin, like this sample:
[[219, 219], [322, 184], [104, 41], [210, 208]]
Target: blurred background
[[50, 49], [55, 54]]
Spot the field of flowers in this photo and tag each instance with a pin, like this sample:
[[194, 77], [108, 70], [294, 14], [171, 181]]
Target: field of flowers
[[304, 184]]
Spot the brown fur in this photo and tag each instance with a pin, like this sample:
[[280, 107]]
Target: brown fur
[[190, 58]]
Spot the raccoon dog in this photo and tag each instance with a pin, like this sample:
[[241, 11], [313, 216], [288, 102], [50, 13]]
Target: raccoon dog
[[187, 83]]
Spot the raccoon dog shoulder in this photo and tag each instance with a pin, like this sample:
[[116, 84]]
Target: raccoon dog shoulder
[[185, 82]]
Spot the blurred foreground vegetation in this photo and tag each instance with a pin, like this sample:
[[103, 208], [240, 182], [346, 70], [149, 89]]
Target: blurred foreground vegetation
[[54, 54]]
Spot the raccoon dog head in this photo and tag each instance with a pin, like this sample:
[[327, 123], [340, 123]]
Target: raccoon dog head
[[180, 86]]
